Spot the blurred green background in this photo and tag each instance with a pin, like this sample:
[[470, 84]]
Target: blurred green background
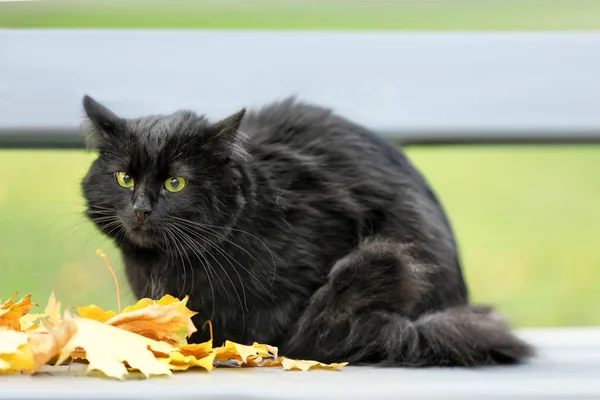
[[308, 14], [526, 217]]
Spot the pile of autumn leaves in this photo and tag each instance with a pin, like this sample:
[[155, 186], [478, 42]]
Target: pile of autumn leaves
[[149, 337]]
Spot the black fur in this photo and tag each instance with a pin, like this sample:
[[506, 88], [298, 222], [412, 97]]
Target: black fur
[[297, 228]]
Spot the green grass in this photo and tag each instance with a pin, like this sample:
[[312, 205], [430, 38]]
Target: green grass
[[294, 14], [526, 219]]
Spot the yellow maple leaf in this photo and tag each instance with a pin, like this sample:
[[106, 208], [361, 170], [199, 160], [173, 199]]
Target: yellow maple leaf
[[107, 348], [268, 363], [11, 312], [45, 341], [14, 353], [178, 361], [28, 322], [305, 365], [261, 360], [243, 354], [78, 354], [198, 350], [166, 319], [138, 339], [53, 310], [28, 351], [94, 312], [44, 346], [52, 313], [163, 301], [190, 355]]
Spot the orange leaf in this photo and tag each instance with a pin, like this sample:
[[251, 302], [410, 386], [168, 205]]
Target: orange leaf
[[51, 313], [10, 312], [78, 354], [198, 350], [270, 363], [167, 319]]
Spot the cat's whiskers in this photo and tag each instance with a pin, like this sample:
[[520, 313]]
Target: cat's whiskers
[[106, 218], [111, 226], [93, 209], [115, 227], [203, 261], [180, 251], [120, 233], [205, 251], [185, 266], [190, 264], [227, 257], [96, 207], [175, 231], [212, 229], [224, 238], [172, 247], [107, 226], [205, 265], [73, 227]]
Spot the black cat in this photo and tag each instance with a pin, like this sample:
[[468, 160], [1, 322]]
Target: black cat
[[290, 226]]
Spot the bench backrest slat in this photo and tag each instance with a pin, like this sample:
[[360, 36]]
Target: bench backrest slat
[[416, 88]]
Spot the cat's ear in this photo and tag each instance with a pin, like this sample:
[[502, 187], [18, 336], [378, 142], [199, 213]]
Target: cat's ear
[[228, 128], [228, 140], [102, 124]]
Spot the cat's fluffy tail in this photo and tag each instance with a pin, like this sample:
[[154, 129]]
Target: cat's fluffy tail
[[458, 336]]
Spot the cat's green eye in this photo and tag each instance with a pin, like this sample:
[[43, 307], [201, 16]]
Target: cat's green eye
[[124, 179], [175, 184]]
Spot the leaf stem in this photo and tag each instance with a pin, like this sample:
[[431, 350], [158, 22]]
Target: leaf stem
[[99, 253], [209, 328]]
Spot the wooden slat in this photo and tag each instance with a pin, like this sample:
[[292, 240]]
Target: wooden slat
[[417, 88]]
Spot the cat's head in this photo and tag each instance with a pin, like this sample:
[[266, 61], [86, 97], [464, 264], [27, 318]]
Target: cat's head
[[159, 176]]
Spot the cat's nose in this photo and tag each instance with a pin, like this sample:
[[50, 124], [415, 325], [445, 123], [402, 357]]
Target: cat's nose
[[141, 213], [142, 207]]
